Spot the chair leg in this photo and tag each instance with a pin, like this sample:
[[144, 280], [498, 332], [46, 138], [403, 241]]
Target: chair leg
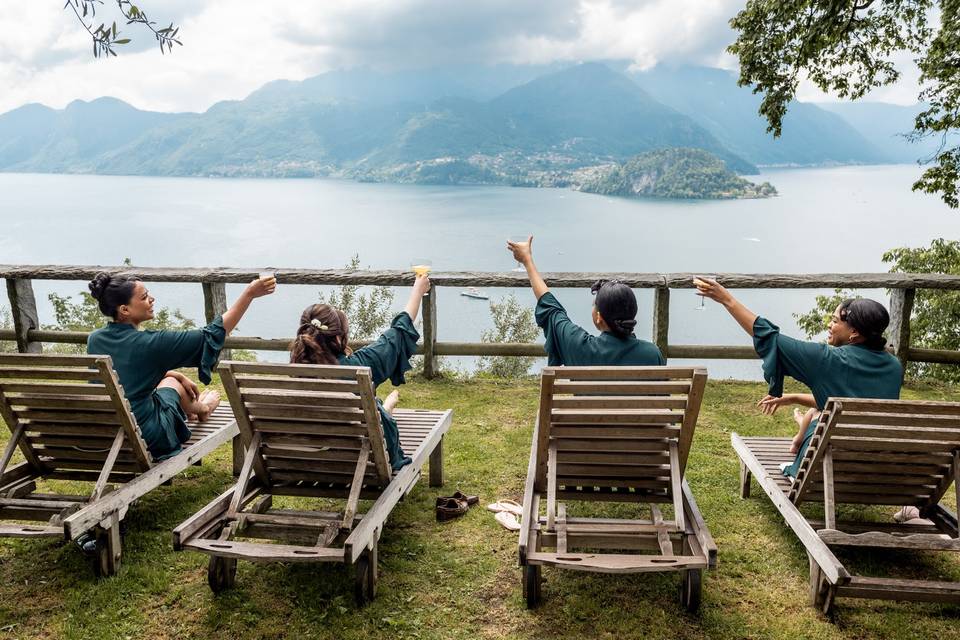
[[436, 465], [744, 481], [532, 581], [109, 549]]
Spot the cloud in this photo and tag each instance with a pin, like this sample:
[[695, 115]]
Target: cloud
[[232, 47]]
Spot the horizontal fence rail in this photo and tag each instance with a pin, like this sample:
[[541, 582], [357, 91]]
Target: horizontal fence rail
[[903, 286]]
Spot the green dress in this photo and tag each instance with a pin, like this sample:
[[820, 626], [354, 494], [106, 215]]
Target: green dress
[[388, 359], [142, 359], [850, 371], [568, 344]]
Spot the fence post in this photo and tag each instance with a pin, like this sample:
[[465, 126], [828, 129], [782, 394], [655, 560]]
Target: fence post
[[215, 304], [661, 318], [23, 308], [428, 310], [901, 306]]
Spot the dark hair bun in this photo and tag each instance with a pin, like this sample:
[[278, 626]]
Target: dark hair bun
[[626, 325], [99, 284]]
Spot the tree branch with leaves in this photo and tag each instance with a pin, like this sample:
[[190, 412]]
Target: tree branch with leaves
[[107, 36], [846, 47]]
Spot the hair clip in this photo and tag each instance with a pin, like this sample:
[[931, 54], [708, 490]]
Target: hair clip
[[319, 325]]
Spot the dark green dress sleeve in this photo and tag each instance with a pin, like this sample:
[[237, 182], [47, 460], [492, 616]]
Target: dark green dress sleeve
[[786, 356], [195, 348], [561, 334], [388, 357]]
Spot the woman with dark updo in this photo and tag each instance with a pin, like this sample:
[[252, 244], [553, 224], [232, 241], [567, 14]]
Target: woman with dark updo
[[614, 315], [323, 337], [852, 364], [161, 398]]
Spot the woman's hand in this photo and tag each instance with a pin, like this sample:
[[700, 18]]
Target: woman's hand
[[769, 404], [522, 251], [421, 286], [712, 289], [193, 391], [259, 288]]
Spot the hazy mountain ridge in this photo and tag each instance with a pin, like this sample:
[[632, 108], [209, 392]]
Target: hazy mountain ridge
[[445, 126]]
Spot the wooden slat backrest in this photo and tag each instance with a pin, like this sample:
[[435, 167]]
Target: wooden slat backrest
[[312, 421], [71, 408], [611, 427], [884, 452]]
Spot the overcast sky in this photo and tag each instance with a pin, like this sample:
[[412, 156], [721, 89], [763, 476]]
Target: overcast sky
[[232, 47]]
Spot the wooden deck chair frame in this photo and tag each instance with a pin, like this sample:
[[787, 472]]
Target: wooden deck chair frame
[[620, 434], [69, 419], [867, 452], [311, 431]]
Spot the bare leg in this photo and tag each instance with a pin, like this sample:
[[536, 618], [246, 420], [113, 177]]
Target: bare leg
[[391, 402], [803, 422], [199, 409]]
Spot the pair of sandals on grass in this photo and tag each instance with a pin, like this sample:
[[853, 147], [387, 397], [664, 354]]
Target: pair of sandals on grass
[[507, 512]]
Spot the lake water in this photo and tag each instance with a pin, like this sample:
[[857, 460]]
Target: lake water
[[824, 220]]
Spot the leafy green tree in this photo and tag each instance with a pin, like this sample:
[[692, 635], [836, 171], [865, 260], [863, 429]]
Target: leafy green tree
[[512, 322], [935, 321], [6, 322], [107, 36], [845, 46], [369, 314]]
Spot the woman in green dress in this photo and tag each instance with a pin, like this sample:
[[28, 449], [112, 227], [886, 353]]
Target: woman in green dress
[[614, 315], [161, 398], [853, 364], [323, 337]]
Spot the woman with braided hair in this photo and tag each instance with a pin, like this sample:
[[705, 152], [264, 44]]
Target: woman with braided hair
[[323, 336], [614, 315]]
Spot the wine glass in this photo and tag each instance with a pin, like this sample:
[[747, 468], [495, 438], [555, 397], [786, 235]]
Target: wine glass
[[702, 305], [421, 267], [266, 275], [519, 239]]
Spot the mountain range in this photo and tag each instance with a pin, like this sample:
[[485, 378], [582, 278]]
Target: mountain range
[[504, 124]]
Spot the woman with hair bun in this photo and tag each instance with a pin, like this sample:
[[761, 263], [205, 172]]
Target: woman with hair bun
[[853, 364], [145, 361], [614, 315], [323, 337]]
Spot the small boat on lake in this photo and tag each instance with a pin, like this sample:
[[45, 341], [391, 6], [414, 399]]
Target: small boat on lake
[[473, 292]]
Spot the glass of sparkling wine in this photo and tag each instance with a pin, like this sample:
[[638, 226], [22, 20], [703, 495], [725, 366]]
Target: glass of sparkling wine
[[421, 267], [519, 239], [702, 306]]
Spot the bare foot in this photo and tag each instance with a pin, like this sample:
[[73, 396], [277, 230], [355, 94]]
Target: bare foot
[[192, 417], [391, 402], [798, 415], [208, 401], [795, 444]]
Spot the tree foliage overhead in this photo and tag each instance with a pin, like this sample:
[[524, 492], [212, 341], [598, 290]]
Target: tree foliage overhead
[[845, 46], [106, 36]]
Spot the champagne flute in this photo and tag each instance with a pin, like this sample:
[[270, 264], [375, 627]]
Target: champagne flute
[[519, 239], [421, 267], [702, 305]]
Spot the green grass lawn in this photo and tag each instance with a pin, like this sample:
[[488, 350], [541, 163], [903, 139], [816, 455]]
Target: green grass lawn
[[460, 579]]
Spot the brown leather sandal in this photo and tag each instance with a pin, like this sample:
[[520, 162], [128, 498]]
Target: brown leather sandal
[[470, 500], [450, 508]]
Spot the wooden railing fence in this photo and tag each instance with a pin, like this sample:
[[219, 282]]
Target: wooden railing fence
[[903, 286]]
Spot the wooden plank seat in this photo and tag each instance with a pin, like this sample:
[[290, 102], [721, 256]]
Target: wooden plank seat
[[615, 434], [866, 452], [311, 431], [69, 419]]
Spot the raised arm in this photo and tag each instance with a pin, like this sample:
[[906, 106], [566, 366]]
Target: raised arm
[[769, 404], [256, 289], [711, 289], [523, 253], [420, 287]]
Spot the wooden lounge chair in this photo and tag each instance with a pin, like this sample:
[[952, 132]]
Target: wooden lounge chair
[[868, 452], [70, 421], [618, 434], [312, 431]]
